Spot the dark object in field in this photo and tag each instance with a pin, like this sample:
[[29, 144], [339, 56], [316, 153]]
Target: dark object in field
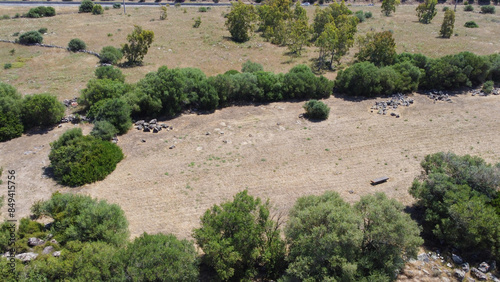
[[379, 180]]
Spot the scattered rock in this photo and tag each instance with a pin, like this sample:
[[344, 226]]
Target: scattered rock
[[459, 274], [48, 250], [53, 241], [139, 122], [139, 127], [395, 101], [146, 129], [449, 265], [26, 256], [492, 277], [423, 257], [171, 147], [478, 274], [33, 241], [154, 121], [439, 96], [465, 267], [208, 133], [71, 102], [484, 267], [57, 253], [143, 140], [351, 191], [457, 259]]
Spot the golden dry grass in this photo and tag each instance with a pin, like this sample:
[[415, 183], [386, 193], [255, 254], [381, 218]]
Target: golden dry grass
[[209, 47]]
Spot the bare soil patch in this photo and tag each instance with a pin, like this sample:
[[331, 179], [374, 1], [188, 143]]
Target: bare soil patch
[[271, 152]]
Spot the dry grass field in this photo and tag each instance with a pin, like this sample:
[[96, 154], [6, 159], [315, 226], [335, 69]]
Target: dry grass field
[[266, 149]]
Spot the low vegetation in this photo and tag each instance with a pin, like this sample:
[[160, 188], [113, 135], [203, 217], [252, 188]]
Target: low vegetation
[[316, 110], [76, 159]]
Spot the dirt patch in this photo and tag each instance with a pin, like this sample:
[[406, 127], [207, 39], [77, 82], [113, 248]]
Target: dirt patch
[[269, 151]]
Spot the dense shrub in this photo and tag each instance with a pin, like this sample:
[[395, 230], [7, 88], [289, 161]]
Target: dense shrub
[[469, 8], [471, 24], [76, 45], [488, 86], [301, 83], [378, 48], [455, 192], [488, 9], [360, 15], [117, 5], [81, 218], [239, 235], [250, 66], [160, 257], [116, 111], [110, 55], [368, 14], [331, 240], [43, 30], [448, 24], [41, 110], [77, 159], [360, 79], [86, 6], [40, 12], [7, 66], [109, 72], [11, 125], [101, 89], [97, 10], [31, 37], [202, 9], [104, 130], [316, 110]]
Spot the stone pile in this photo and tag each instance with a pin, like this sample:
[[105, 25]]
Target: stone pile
[[479, 92], [70, 102], [74, 119], [438, 96], [393, 103], [151, 126]]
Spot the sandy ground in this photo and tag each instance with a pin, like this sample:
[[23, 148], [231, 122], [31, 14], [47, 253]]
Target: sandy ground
[[268, 150]]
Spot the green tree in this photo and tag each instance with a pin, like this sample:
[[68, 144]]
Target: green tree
[[240, 21], [299, 31], [116, 111], [138, 45], [101, 89], [160, 257], [97, 9], [238, 235], [455, 193], [426, 11], [390, 236], [274, 15], [448, 24], [86, 6], [77, 159], [11, 125], [378, 48], [336, 39], [81, 218], [324, 239], [389, 6], [330, 14], [41, 110]]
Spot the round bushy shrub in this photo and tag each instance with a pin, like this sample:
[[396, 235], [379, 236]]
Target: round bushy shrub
[[250, 66], [471, 24], [43, 30], [316, 110], [31, 37], [40, 12], [360, 15], [97, 10], [488, 9], [468, 8], [445, 8], [117, 6], [116, 111], [368, 15], [104, 130], [86, 6], [488, 86], [109, 72], [10, 113], [110, 55], [41, 110], [77, 159], [76, 45]]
